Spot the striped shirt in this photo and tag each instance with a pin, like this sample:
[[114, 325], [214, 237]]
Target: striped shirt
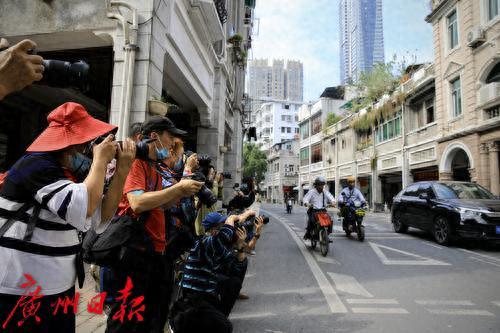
[[210, 254], [50, 254]]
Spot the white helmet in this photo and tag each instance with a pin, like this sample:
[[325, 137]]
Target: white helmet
[[319, 181]]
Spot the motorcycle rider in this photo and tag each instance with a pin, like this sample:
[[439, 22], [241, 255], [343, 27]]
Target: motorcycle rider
[[316, 198], [350, 193]]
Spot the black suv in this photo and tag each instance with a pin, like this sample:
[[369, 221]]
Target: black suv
[[448, 210]]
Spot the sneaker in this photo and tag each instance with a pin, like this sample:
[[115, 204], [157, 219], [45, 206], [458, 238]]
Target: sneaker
[[306, 236]]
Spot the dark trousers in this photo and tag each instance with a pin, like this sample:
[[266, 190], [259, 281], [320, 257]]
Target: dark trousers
[[311, 220], [155, 284], [49, 323], [229, 287], [196, 313]]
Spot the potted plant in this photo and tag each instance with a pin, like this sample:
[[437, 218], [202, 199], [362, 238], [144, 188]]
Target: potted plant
[[236, 40], [158, 106]]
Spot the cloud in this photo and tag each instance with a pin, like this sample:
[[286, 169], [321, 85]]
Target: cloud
[[308, 30]]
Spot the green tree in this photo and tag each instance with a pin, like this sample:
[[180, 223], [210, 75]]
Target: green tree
[[254, 162]]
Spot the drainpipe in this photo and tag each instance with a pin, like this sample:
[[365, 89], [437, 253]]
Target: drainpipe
[[129, 48], [405, 162]]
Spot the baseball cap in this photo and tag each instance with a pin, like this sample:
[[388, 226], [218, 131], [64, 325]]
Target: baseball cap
[[213, 219], [161, 123]]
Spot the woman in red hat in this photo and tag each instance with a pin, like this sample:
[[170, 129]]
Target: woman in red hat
[[48, 196]]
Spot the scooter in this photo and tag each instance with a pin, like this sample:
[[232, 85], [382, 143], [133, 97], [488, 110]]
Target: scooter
[[319, 231], [354, 213]]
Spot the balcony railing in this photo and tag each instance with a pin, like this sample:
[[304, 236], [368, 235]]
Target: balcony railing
[[220, 5], [492, 113]]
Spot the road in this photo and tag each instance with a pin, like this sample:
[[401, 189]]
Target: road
[[389, 283]]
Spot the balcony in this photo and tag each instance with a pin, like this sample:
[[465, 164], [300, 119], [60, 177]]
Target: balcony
[[488, 93], [220, 5]]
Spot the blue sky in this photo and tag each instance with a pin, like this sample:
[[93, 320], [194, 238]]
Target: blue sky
[[308, 30]]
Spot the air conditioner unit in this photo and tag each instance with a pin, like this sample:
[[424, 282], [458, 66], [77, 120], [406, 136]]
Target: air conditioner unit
[[475, 37]]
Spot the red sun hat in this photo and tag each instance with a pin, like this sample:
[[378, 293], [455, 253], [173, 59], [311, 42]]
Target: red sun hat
[[69, 124]]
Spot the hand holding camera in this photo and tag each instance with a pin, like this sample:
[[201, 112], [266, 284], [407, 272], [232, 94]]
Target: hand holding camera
[[126, 155], [190, 187], [18, 68], [242, 234], [192, 163], [106, 150]]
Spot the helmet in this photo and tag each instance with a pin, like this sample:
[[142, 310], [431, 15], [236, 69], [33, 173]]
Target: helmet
[[351, 179], [319, 181]]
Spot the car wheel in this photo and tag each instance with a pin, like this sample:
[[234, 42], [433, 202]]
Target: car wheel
[[397, 224], [442, 231]]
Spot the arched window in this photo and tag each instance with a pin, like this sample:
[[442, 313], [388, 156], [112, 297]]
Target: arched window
[[494, 75]]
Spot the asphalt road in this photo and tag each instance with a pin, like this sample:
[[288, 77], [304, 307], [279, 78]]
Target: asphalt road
[[388, 283]]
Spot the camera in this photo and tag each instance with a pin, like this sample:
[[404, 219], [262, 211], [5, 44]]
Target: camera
[[204, 194], [226, 175], [63, 74], [248, 224], [141, 152]]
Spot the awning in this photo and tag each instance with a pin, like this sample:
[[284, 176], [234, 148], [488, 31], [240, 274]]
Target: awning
[[305, 187], [296, 188]]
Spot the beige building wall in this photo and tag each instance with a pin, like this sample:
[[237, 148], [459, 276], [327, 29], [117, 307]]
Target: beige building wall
[[477, 130]]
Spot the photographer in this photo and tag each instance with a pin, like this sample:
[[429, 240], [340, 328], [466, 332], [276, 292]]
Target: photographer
[[201, 308], [145, 199], [244, 196], [56, 180], [18, 69]]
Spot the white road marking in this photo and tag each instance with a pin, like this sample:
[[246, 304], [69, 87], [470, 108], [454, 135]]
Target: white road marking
[[444, 302], [341, 237], [301, 291], [460, 312], [484, 261], [333, 300], [433, 245], [251, 315], [497, 303], [326, 260], [418, 261], [349, 284], [371, 301], [249, 275], [380, 310], [481, 255]]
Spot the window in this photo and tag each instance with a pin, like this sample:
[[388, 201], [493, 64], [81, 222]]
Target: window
[[316, 124], [304, 156], [296, 118], [388, 130], [283, 130], [426, 188], [456, 98], [283, 118], [429, 111], [304, 130], [296, 131], [492, 9], [316, 155], [412, 191], [287, 107], [452, 29], [289, 130]]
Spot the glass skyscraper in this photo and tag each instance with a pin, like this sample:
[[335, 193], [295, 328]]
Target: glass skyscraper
[[361, 37]]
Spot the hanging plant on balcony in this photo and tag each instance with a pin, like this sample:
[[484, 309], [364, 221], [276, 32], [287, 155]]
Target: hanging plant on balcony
[[236, 40]]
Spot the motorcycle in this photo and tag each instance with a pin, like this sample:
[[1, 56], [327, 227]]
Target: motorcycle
[[319, 231], [352, 214]]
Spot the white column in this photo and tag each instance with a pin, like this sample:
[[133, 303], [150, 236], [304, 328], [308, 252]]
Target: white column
[[494, 148]]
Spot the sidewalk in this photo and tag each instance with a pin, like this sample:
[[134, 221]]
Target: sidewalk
[[88, 322]]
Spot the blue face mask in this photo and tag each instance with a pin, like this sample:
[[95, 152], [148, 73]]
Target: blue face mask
[[80, 165], [162, 153]]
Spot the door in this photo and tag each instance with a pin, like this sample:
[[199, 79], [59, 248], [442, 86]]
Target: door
[[408, 211], [423, 206]]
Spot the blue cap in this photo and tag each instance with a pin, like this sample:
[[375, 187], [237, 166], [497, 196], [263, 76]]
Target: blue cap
[[212, 219]]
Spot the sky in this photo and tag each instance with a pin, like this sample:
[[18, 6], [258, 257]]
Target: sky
[[308, 30]]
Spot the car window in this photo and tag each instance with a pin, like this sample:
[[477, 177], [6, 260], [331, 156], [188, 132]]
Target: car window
[[426, 188], [412, 191], [462, 191]]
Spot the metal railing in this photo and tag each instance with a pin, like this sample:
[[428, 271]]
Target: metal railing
[[220, 5]]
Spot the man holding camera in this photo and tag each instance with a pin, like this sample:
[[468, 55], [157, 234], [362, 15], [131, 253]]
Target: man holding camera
[[203, 307], [145, 199]]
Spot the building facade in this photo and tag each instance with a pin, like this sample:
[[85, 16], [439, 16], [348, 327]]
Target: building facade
[[467, 65], [282, 172], [361, 37], [275, 122], [137, 50], [278, 80]]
